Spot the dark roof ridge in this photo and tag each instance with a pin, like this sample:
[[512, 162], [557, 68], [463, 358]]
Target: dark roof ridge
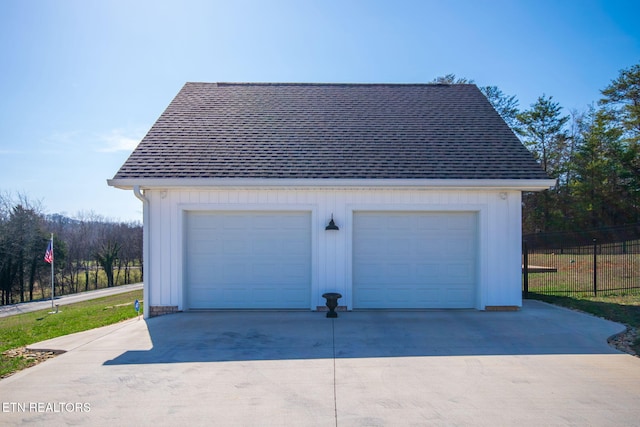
[[328, 84]]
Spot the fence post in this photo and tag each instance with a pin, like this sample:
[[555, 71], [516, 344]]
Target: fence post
[[595, 268], [525, 272]]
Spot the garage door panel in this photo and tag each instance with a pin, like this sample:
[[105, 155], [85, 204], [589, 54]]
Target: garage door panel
[[458, 248], [428, 294], [264, 223], [369, 222], [430, 226], [262, 247], [237, 247], [371, 273], [232, 222], [371, 295], [461, 222], [199, 278], [400, 225], [259, 270], [414, 259], [248, 259], [400, 294], [425, 273], [402, 270], [460, 273], [432, 252], [294, 245], [295, 273], [456, 296], [231, 274], [293, 295], [297, 222], [232, 295], [265, 295]]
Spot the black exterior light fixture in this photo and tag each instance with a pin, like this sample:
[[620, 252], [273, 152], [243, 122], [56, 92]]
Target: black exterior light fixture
[[332, 225]]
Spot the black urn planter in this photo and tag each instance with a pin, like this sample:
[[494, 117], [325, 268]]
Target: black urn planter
[[332, 302]]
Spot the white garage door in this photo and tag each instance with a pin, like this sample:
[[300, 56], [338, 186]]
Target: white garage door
[[248, 259], [414, 259]]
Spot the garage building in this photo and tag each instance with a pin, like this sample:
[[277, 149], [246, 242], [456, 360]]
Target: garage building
[[266, 196]]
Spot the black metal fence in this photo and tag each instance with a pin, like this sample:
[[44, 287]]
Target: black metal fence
[[596, 262]]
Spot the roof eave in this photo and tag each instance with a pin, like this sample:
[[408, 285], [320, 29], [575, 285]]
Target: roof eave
[[453, 184]]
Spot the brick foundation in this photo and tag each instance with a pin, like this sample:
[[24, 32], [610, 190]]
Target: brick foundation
[[160, 310], [325, 308], [502, 308]]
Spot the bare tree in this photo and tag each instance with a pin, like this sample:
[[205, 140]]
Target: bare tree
[[21, 245], [84, 244], [107, 256], [131, 238]]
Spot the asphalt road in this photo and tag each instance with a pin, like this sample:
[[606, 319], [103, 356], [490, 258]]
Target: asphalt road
[[26, 307]]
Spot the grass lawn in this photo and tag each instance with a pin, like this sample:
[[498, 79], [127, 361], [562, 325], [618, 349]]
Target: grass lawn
[[28, 328], [622, 308], [575, 273]]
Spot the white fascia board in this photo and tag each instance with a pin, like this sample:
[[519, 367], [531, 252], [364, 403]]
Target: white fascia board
[[454, 184]]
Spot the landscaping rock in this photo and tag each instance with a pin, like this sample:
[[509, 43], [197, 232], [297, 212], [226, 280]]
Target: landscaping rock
[[34, 357], [624, 341]]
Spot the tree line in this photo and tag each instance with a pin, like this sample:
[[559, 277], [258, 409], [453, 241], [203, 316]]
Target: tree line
[[593, 155], [90, 251]]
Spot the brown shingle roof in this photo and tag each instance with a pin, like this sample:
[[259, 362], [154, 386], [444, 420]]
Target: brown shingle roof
[[317, 131]]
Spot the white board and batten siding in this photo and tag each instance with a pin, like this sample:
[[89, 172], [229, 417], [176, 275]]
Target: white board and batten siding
[[475, 235]]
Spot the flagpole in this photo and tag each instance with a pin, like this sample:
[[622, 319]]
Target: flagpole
[[52, 275]]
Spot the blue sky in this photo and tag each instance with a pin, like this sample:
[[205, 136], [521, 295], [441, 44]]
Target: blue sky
[[82, 81]]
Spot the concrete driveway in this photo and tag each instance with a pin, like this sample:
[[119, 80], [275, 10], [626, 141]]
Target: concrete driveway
[[542, 365]]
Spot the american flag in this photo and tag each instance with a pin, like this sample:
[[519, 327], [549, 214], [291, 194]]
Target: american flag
[[48, 255]]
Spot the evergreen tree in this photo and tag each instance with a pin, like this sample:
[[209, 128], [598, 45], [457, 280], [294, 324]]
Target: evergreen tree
[[597, 189], [451, 79], [506, 106], [621, 101], [543, 133], [622, 98], [542, 130]]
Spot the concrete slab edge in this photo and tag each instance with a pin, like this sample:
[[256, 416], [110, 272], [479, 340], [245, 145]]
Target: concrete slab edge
[[70, 342], [624, 327]]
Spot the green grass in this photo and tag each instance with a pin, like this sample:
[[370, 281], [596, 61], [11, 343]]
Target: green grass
[[44, 292], [575, 273], [28, 328], [622, 308]]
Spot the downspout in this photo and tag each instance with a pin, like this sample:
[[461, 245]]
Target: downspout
[[145, 250]]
